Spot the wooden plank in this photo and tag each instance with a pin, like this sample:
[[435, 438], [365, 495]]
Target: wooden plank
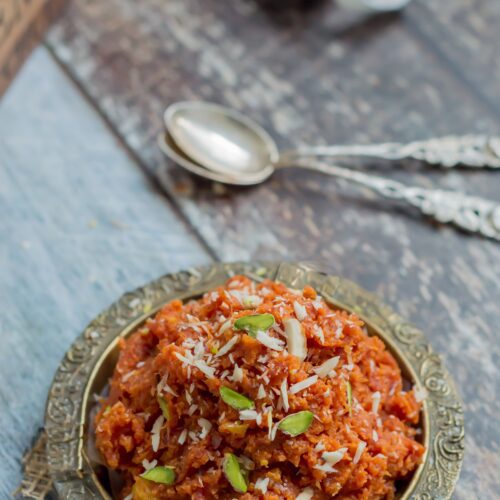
[[312, 77], [22, 25], [465, 35], [80, 225]]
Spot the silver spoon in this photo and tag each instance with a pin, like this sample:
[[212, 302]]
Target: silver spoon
[[223, 133], [223, 145]]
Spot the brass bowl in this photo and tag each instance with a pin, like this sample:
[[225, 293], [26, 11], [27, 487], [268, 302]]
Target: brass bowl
[[89, 363]]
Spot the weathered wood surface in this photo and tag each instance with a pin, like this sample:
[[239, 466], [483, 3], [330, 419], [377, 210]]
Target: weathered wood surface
[[22, 25], [464, 35], [80, 224], [315, 76]]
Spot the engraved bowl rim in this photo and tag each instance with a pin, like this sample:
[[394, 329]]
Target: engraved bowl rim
[[69, 397]]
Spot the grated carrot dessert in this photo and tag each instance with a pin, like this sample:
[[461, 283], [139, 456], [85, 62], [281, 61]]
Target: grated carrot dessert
[[257, 391]]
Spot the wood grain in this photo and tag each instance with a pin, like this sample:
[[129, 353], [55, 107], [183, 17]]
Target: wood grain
[[22, 25], [464, 35], [316, 76], [80, 225]]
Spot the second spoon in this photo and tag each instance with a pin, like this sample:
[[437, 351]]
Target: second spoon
[[225, 146]]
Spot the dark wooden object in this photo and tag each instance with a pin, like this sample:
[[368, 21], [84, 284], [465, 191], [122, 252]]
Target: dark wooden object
[[22, 26]]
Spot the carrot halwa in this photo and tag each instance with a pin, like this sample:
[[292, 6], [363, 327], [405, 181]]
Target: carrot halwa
[[257, 391]]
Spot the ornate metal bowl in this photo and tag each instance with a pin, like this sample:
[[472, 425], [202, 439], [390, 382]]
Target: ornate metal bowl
[[90, 361]]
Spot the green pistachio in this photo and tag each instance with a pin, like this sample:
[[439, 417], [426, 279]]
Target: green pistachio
[[235, 399], [164, 408], [160, 474], [254, 323], [296, 423], [234, 474]]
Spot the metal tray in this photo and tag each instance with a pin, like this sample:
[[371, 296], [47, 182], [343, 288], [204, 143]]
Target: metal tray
[[89, 363]]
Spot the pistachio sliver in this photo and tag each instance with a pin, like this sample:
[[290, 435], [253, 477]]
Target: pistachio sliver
[[349, 397], [160, 474], [254, 323], [164, 408], [235, 399], [233, 473], [297, 423]]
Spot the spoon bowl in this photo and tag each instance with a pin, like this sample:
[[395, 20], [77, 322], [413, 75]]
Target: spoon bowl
[[169, 148], [222, 140]]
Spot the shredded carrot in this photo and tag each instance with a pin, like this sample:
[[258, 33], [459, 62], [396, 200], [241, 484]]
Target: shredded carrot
[[347, 451]]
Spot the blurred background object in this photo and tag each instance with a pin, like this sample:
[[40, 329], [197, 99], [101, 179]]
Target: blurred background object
[[375, 5], [22, 25]]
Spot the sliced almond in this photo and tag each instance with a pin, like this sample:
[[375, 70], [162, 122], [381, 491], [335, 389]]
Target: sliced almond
[[295, 338]]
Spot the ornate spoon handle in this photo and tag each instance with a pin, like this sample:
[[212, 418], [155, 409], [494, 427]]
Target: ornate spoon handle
[[472, 214], [470, 150]]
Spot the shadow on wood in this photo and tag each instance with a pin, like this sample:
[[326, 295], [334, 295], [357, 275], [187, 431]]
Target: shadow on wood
[[291, 13]]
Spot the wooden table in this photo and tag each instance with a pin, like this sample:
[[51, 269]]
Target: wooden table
[[90, 208]]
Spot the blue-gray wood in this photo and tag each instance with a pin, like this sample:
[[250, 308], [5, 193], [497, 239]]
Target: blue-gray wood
[[79, 225]]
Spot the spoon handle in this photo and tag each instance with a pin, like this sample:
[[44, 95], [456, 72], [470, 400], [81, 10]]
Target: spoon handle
[[472, 214], [477, 151]]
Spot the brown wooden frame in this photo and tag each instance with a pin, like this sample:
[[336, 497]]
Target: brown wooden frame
[[22, 25]]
